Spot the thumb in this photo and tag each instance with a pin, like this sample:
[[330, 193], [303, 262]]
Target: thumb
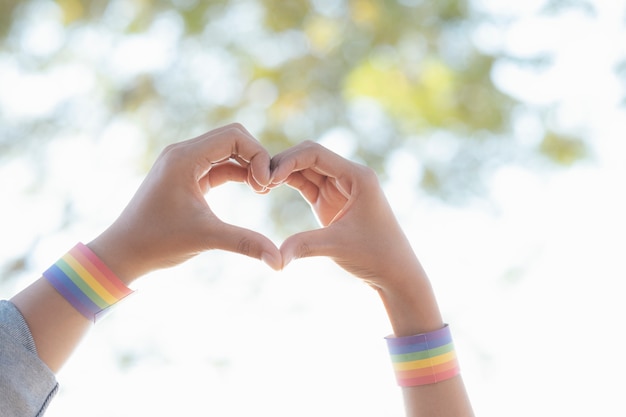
[[247, 242], [307, 244]]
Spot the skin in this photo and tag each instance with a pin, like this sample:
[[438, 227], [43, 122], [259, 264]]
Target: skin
[[168, 221], [361, 234]]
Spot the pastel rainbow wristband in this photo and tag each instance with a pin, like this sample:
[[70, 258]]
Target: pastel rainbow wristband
[[423, 359], [86, 282]]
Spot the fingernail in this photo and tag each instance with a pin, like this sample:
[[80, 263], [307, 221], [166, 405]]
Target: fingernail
[[273, 180], [272, 261], [287, 260]]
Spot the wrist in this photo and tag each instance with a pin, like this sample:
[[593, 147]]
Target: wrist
[[86, 282], [411, 304], [117, 256]]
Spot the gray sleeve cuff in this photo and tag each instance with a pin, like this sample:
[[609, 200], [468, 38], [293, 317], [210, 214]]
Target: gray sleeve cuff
[[27, 385]]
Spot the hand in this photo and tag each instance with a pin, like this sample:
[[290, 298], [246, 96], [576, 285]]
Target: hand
[[359, 230], [169, 221]]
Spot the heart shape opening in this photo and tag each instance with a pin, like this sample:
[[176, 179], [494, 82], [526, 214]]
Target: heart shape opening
[[277, 214]]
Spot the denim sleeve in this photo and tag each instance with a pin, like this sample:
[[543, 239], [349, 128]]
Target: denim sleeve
[[27, 385]]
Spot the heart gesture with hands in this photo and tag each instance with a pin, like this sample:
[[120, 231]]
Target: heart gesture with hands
[[169, 221]]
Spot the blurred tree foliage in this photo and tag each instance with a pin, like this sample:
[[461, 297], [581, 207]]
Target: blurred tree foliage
[[374, 75]]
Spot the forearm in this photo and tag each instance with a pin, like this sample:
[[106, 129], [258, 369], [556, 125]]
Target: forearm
[[56, 326], [410, 302], [412, 309]]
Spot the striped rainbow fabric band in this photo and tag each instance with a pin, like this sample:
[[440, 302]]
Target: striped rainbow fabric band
[[424, 358], [86, 282]]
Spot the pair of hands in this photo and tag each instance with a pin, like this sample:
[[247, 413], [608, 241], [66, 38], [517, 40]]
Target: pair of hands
[[169, 221]]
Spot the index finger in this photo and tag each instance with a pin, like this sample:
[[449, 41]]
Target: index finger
[[232, 141], [310, 155]]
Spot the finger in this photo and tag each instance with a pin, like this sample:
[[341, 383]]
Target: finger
[[249, 177], [230, 171], [225, 172], [247, 242], [308, 155], [314, 177], [325, 182], [307, 189], [320, 193], [247, 149], [258, 185], [229, 129], [317, 242], [232, 141], [198, 145]]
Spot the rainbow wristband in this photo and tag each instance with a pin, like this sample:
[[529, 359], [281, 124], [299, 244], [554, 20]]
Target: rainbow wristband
[[423, 359], [86, 282]]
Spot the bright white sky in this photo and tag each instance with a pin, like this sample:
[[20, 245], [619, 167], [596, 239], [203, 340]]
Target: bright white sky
[[308, 342]]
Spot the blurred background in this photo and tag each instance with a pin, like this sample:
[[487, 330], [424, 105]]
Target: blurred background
[[497, 128]]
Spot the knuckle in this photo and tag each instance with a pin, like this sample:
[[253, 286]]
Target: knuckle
[[173, 152], [245, 246], [237, 128], [310, 145], [303, 251], [368, 174], [169, 148]]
